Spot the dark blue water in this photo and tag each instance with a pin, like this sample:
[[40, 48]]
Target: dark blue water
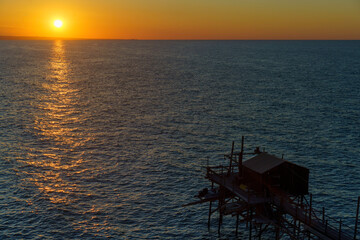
[[107, 139]]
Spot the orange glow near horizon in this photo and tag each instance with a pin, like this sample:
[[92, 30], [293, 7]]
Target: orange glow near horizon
[[201, 19]]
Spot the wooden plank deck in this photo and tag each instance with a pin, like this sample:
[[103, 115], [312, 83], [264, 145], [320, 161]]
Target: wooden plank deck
[[228, 183]]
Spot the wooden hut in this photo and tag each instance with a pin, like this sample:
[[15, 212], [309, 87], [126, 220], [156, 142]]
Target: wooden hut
[[265, 172]]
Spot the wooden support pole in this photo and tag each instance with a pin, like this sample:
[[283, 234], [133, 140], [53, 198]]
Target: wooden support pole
[[357, 218], [248, 195], [231, 158], [221, 201], [247, 217], [241, 156], [340, 229], [326, 224], [209, 214], [219, 224], [310, 208], [277, 233], [260, 231], [250, 230], [220, 218], [233, 184], [237, 224]]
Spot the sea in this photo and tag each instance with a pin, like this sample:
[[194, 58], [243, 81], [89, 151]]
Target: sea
[[107, 139]]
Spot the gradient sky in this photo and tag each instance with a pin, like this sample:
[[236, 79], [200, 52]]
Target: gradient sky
[[183, 19]]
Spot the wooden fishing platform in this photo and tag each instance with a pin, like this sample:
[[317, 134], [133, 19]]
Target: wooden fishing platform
[[266, 191]]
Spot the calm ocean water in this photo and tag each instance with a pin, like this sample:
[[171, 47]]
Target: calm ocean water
[[107, 139]]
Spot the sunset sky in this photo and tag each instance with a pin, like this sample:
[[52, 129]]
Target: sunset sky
[[182, 19]]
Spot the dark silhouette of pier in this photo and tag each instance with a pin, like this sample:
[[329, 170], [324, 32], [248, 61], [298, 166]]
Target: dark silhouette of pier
[[266, 191]]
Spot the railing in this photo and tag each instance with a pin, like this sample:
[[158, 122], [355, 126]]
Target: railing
[[328, 222], [333, 223], [314, 218], [220, 170], [234, 185]]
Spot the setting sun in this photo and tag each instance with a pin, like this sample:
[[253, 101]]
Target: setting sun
[[158, 19], [58, 23]]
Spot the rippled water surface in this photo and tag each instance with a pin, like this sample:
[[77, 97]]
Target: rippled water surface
[[107, 139]]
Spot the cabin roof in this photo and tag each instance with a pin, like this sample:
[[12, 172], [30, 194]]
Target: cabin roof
[[263, 162]]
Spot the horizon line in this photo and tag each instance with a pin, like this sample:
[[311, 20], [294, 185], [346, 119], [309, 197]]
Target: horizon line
[[5, 37]]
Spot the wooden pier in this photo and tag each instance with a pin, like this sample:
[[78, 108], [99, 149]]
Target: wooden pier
[[269, 192]]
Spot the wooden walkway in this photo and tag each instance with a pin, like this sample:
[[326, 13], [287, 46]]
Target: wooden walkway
[[311, 223]]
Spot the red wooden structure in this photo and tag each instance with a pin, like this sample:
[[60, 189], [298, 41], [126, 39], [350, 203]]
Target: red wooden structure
[[269, 192]]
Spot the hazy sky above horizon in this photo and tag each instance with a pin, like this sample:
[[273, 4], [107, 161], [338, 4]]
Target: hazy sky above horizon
[[183, 19]]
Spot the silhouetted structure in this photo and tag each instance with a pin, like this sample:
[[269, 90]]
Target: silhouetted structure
[[267, 191]]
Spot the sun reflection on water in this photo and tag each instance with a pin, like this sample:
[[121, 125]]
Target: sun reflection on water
[[56, 124]]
